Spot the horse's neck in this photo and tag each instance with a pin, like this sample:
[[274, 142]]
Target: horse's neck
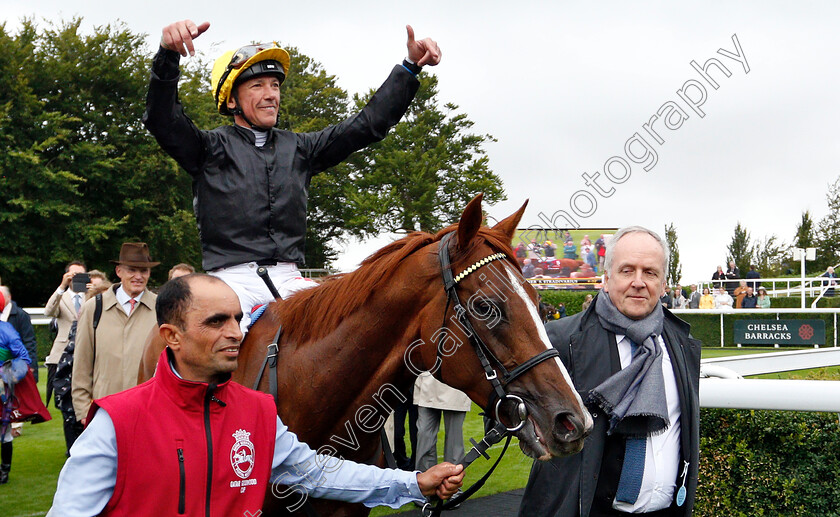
[[356, 374]]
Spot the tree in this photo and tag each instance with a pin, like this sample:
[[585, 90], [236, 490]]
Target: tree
[[805, 236], [425, 172], [674, 272], [739, 249], [80, 174], [828, 238], [770, 256]]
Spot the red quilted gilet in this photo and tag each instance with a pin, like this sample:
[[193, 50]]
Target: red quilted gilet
[[166, 430]]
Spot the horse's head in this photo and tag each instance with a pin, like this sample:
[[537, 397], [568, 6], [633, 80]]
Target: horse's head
[[486, 296]]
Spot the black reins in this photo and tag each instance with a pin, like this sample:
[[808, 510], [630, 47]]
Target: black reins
[[499, 431]]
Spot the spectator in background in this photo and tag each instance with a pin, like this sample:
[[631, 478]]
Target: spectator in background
[[723, 300], [707, 301], [561, 310], [694, 298], [22, 323], [521, 252], [528, 269], [718, 277], [666, 299], [107, 360], [64, 306], [570, 250], [591, 259], [749, 301], [435, 399], [97, 279], [601, 251], [677, 298], [62, 381], [732, 274], [586, 303], [549, 312], [831, 282], [585, 241], [11, 348], [550, 249], [762, 300], [752, 274], [180, 270], [401, 456], [739, 293]]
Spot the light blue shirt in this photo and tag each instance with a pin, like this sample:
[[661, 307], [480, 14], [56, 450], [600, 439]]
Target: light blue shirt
[[87, 480]]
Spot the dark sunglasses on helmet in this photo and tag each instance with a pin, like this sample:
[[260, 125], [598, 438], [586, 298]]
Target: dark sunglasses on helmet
[[241, 56]]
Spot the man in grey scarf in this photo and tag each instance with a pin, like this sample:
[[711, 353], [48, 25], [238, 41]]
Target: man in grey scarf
[[638, 368]]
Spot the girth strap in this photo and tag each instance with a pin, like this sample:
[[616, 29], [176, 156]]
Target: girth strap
[[270, 361]]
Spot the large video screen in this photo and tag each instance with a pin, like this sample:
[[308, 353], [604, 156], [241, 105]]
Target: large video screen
[[559, 258]]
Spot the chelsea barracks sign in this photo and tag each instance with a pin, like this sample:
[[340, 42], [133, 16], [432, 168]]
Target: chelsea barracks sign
[[782, 332]]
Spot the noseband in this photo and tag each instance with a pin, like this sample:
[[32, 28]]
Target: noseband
[[485, 355]]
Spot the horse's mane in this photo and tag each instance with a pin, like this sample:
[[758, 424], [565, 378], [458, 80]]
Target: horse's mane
[[311, 314]]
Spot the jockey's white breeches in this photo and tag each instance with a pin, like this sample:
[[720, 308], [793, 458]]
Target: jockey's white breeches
[[251, 289]]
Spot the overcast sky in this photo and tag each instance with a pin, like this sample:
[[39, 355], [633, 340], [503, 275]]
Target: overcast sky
[[563, 87]]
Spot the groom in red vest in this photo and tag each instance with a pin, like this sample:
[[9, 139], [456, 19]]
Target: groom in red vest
[[191, 441]]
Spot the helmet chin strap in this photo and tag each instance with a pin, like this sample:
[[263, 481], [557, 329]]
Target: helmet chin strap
[[236, 110]]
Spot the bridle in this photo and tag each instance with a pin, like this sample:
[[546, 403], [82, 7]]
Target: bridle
[[491, 364], [492, 368]]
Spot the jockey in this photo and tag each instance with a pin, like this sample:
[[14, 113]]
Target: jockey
[[250, 179]]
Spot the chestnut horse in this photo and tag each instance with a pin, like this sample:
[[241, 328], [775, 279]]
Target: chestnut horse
[[352, 347]]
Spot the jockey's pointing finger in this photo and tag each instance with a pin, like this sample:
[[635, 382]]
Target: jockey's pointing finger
[[186, 38]]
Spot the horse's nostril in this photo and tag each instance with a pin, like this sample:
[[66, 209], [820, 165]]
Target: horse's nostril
[[564, 421]]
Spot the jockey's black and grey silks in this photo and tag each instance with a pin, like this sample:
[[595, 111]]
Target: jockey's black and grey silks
[[250, 202]]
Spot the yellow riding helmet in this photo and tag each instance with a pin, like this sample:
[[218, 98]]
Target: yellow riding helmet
[[249, 61]]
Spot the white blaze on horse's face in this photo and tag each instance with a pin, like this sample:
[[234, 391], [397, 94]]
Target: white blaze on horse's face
[[516, 282]]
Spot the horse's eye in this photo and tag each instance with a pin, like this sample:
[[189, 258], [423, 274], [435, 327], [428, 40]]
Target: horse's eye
[[492, 311]]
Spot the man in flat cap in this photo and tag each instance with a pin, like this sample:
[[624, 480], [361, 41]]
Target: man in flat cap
[[108, 353]]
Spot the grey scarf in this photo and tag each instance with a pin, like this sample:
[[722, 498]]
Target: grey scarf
[[634, 397]]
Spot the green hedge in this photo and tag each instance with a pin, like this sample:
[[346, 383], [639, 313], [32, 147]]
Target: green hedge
[[773, 463], [706, 327], [571, 299], [44, 339]]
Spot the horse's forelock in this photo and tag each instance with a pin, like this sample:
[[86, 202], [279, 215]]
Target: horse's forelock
[[485, 237]]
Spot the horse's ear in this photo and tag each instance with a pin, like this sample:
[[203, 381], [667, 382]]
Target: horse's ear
[[507, 226], [470, 221]]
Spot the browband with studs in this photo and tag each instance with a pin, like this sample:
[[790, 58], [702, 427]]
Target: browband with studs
[[486, 260]]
